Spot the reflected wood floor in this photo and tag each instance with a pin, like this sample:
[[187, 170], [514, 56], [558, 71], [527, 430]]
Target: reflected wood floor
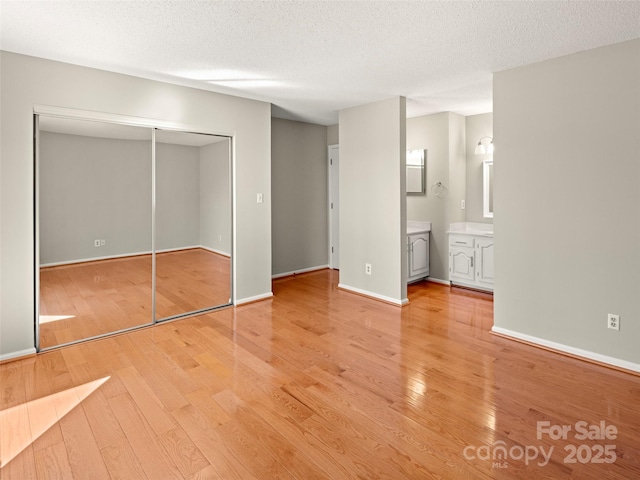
[[319, 383], [93, 298]]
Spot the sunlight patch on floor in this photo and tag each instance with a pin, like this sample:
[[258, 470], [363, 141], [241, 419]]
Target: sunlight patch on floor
[[23, 424], [53, 318]]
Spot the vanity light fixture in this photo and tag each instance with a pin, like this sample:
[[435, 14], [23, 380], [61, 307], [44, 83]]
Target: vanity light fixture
[[484, 147]]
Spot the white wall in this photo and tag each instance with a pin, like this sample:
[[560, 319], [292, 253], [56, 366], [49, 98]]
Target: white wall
[[477, 126], [300, 198], [28, 81], [567, 176], [372, 199]]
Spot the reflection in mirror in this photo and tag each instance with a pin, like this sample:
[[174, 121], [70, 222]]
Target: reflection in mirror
[[94, 229], [487, 176], [193, 223], [416, 172]]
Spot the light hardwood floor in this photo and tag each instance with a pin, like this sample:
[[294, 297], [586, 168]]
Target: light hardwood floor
[[94, 298], [316, 383]]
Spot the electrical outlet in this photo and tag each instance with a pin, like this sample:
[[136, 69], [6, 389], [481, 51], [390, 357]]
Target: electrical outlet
[[367, 268], [613, 321], [103, 243], [219, 238], [96, 243], [259, 198], [463, 204]]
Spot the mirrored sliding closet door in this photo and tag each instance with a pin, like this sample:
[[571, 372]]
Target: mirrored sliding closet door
[[94, 228], [133, 227], [193, 223]]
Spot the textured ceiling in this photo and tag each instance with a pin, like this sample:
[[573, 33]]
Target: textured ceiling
[[310, 59]]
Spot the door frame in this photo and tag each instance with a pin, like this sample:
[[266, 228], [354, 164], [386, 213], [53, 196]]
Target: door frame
[[334, 210]]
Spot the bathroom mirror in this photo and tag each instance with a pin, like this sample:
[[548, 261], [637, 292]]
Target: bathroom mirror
[[416, 172], [487, 176]]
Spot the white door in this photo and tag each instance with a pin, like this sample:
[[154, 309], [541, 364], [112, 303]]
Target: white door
[[334, 207]]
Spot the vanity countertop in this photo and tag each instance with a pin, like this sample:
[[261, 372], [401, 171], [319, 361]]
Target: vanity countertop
[[417, 227], [472, 228]]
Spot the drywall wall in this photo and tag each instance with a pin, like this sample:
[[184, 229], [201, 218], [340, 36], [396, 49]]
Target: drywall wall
[[333, 135], [177, 196], [443, 136], [372, 199], [99, 188], [215, 198], [567, 227], [457, 186], [477, 126], [93, 188], [28, 81], [299, 196]]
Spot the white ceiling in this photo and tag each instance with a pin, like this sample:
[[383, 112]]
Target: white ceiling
[[311, 59]]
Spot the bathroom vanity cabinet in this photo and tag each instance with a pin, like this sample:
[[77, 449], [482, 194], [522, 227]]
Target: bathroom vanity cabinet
[[417, 250], [471, 255]]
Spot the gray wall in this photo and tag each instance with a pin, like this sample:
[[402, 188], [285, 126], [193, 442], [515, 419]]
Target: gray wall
[[477, 126], [457, 188], [372, 199], [98, 188], [299, 185], [567, 175], [215, 206], [333, 135], [177, 196], [93, 188], [443, 135], [28, 81]]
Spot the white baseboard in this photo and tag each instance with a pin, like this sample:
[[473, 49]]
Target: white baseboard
[[134, 254], [16, 355], [296, 272], [255, 298], [577, 352], [373, 295], [438, 280], [213, 250]]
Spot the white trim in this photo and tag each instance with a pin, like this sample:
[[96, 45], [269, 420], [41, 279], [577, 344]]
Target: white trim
[[20, 353], [472, 286], [438, 280], [373, 295], [255, 298], [578, 352], [330, 187], [295, 272], [135, 254], [213, 250], [74, 113]]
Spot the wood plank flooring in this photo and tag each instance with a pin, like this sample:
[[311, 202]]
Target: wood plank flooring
[[93, 298], [320, 383]]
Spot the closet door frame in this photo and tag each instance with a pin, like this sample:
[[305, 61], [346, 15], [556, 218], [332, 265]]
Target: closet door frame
[[153, 124]]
